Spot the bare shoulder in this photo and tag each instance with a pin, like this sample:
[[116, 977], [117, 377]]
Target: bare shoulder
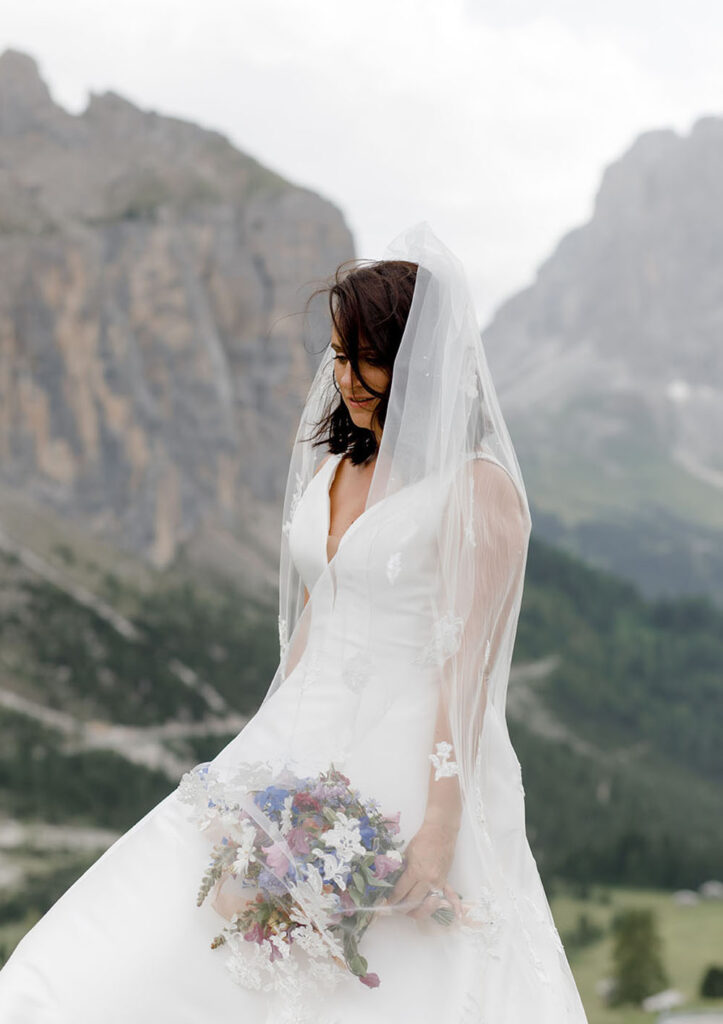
[[492, 480]]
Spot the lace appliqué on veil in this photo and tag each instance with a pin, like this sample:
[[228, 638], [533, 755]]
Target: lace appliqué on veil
[[296, 498], [483, 923], [444, 642], [443, 767], [533, 954], [471, 1011], [283, 638]]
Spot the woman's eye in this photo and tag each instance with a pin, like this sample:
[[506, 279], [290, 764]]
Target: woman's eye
[[339, 357]]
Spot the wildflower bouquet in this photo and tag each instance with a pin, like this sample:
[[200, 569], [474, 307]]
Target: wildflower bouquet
[[317, 856]]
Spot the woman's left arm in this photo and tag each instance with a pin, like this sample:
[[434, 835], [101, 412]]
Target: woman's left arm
[[497, 530]]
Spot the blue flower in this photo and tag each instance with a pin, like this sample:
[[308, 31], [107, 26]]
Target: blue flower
[[271, 799], [367, 831]]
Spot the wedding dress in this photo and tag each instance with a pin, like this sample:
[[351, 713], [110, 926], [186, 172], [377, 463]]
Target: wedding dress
[[358, 688]]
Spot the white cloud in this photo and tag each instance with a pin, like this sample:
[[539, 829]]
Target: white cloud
[[490, 121]]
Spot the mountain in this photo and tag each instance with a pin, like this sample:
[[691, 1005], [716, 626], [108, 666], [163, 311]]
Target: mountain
[[609, 369], [151, 372]]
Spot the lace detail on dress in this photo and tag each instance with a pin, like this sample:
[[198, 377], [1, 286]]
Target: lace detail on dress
[[443, 767], [357, 671], [444, 642], [394, 566]]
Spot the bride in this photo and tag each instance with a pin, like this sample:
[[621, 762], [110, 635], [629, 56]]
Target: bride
[[358, 852]]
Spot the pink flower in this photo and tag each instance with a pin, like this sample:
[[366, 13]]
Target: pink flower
[[370, 980], [298, 840], [255, 934], [384, 865], [392, 823], [277, 860]]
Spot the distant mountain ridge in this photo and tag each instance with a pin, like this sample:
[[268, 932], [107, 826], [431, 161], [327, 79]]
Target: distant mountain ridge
[[609, 369], [151, 377]]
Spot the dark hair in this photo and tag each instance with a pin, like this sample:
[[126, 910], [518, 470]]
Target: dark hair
[[370, 314]]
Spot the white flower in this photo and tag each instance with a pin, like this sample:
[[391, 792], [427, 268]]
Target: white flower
[[286, 817], [443, 767], [315, 905], [244, 853], [334, 869], [309, 940], [345, 838]]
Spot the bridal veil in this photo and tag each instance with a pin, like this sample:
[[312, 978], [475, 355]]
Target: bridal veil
[[446, 447]]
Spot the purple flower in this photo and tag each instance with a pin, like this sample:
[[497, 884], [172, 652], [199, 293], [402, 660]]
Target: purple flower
[[267, 880], [298, 840]]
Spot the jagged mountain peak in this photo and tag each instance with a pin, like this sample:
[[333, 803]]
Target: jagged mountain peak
[[25, 100]]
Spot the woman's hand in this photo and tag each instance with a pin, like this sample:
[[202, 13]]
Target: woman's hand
[[428, 856]]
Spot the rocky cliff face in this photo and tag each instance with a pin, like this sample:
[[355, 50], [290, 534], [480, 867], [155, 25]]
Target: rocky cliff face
[[151, 374], [610, 369]]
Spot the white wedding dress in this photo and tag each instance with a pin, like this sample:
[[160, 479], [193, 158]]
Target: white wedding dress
[[127, 944]]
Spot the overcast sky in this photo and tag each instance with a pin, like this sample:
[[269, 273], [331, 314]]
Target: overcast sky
[[493, 121]]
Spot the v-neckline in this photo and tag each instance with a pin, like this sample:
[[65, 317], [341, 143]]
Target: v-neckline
[[327, 524]]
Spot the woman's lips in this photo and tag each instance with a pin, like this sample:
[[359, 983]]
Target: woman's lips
[[362, 401]]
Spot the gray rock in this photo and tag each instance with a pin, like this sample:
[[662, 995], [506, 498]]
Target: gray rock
[[152, 367], [610, 369]]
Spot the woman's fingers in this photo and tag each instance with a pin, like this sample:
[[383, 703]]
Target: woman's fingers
[[403, 885], [427, 907], [416, 897], [454, 899], [413, 891]]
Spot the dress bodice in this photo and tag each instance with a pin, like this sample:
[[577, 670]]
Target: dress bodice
[[373, 602]]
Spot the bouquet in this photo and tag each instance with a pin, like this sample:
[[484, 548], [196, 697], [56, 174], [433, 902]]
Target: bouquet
[[305, 861]]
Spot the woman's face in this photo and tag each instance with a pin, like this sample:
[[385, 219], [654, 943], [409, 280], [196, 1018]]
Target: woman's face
[[358, 400]]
